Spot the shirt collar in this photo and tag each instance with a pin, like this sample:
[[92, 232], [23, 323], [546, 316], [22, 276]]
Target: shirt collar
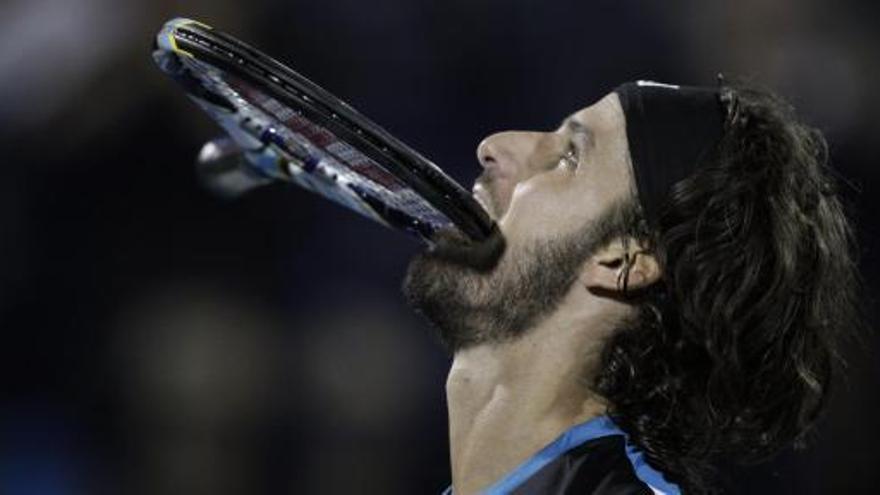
[[578, 434]]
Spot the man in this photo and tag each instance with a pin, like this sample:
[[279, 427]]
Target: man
[[669, 277]]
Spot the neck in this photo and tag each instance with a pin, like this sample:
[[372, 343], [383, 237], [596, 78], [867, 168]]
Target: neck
[[507, 401]]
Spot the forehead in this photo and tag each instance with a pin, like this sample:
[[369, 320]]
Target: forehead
[[604, 116], [609, 155]]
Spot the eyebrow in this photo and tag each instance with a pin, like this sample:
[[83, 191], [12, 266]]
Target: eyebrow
[[574, 125]]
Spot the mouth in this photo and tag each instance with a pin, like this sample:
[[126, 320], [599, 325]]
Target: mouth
[[453, 247], [478, 193]]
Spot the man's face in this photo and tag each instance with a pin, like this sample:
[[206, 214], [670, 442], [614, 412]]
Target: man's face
[[550, 193]]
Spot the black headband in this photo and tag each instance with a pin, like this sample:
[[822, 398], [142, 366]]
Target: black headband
[[669, 129]]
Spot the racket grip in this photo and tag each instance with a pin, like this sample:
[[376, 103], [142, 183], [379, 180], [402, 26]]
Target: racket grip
[[223, 169]]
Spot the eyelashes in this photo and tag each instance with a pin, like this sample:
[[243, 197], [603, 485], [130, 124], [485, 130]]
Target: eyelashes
[[578, 143], [571, 157]]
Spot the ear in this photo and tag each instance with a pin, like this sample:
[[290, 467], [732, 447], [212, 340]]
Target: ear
[[606, 271]]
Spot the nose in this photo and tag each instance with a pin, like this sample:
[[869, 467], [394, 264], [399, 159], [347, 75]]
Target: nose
[[486, 152], [509, 158], [497, 148], [512, 152]]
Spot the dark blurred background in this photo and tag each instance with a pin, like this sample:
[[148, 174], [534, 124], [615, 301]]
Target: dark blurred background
[[156, 339]]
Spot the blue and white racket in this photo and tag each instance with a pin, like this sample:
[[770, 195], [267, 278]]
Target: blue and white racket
[[288, 129]]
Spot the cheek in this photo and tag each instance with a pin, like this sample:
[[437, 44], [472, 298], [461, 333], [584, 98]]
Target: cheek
[[547, 208], [536, 197]]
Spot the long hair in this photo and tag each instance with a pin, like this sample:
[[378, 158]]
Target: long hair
[[735, 350]]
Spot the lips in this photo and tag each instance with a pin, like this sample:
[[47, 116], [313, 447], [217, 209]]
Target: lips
[[478, 194]]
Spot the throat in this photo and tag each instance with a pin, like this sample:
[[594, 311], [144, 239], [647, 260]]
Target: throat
[[506, 404]]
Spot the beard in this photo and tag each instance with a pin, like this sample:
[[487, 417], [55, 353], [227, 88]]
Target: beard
[[489, 293]]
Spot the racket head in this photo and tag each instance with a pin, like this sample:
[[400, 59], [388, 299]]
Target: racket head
[[291, 130]]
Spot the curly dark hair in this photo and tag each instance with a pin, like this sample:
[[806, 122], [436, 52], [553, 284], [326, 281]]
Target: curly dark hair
[[733, 354]]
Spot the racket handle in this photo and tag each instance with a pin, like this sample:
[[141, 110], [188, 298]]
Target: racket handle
[[223, 169]]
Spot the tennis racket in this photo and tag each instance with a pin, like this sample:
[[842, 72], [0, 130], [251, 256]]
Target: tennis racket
[[282, 127]]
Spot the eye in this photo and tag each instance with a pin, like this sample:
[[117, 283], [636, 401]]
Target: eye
[[571, 157]]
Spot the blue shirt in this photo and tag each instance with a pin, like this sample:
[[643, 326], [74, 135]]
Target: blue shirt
[[594, 457]]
